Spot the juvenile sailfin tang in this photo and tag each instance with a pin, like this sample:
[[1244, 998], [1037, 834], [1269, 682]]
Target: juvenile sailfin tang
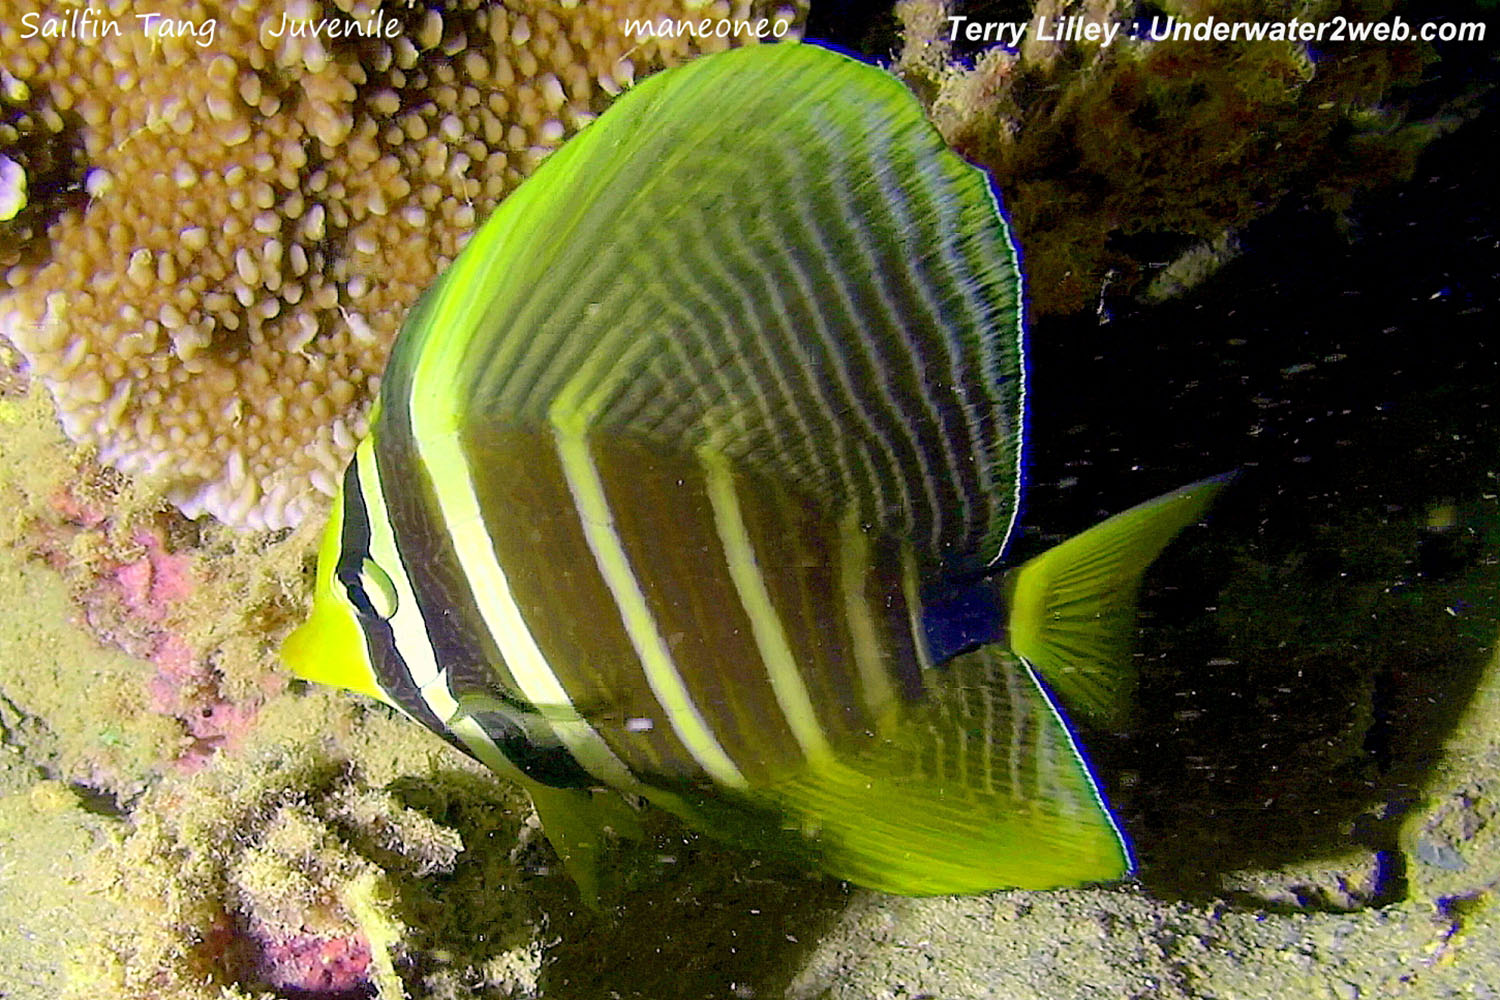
[[981, 787], [664, 463]]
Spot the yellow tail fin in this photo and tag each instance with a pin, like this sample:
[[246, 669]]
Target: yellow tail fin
[[1072, 608]]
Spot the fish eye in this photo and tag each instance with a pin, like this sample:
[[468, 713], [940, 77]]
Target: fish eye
[[370, 590]]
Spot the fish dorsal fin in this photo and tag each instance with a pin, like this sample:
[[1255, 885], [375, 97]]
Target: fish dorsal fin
[[982, 788], [768, 253]]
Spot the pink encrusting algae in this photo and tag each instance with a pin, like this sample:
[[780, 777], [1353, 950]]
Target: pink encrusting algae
[[131, 587], [312, 964], [243, 948], [156, 581], [186, 686]]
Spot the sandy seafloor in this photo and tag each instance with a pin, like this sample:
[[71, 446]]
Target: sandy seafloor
[[1312, 786]]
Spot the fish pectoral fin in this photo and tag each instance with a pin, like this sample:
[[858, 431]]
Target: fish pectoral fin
[[476, 703], [980, 788], [576, 822], [1072, 608]]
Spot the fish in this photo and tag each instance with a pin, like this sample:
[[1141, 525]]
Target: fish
[[689, 485]]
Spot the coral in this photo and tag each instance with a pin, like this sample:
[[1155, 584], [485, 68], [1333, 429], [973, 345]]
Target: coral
[[41, 169], [1109, 155], [236, 223], [12, 188]]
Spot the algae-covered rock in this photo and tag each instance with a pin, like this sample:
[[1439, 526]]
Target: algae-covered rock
[[70, 705], [1452, 841], [48, 840], [318, 866], [1119, 157]]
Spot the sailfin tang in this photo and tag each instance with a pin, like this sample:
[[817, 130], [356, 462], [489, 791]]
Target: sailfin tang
[[1072, 610], [982, 788]]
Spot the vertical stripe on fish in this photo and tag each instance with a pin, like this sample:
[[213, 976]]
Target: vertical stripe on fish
[[727, 582]]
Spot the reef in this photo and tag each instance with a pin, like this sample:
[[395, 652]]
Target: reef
[[211, 235], [1315, 800], [1121, 160], [177, 820], [291, 868]]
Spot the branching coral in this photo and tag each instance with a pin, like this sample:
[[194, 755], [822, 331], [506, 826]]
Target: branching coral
[[224, 228], [1164, 143], [40, 165], [12, 188]]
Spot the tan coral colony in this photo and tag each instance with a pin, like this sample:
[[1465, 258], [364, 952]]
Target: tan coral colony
[[222, 232]]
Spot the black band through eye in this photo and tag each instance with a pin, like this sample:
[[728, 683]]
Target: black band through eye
[[370, 590], [354, 589], [367, 586]]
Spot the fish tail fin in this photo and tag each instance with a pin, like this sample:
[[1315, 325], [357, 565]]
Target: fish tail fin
[[981, 788], [1072, 608], [574, 821]]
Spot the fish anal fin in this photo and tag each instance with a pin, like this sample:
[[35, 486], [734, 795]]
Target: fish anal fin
[[980, 788], [1072, 608]]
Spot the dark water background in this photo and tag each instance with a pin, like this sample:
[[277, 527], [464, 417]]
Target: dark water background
[[1308, 652]]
